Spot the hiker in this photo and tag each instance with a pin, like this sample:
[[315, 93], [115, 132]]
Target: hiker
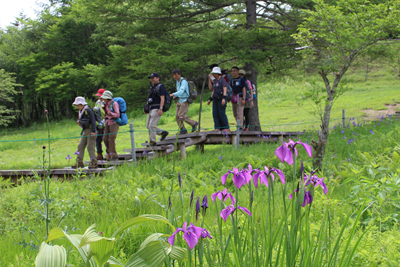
[[249, 100], [239, 95], [111, 128], [155, 104], [100, 129], [87, 122], [218, 97], [182, 106], [211, 76]]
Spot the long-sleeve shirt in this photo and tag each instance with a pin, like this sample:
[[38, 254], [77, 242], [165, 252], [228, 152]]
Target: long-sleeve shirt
[[114, 115], [182, 90], [88, 115]]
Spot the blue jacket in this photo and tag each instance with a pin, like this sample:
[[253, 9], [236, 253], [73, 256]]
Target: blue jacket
[[182, 90]]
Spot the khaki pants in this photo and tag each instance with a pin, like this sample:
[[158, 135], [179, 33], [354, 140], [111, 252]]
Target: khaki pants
[[151, 125], [238, 111], [90, 142], [109, 139], [181, 109]]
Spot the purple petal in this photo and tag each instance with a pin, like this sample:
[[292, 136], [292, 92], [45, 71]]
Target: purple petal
[[289, 156], [226, 212], [255, 178], [239, 180], [223, 177], [196, 230], [233, 200], [280, 152], [191, 239], [281, 175], [205, 234], [307, 148], [245, 210], [214, 196], [171, 239]]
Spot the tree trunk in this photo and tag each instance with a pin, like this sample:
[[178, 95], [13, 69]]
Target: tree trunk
[[251, 19]]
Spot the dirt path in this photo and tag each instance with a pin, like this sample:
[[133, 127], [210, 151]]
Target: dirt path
[[391, 110]]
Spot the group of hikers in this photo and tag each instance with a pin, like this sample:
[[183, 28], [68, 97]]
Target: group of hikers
[[102, 122]]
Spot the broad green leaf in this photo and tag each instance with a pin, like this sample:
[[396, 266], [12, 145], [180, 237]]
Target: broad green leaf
[[153, 254], [114, 262], [141, 219], [55, 233], [51, 256], [102, 250], [91, 236]]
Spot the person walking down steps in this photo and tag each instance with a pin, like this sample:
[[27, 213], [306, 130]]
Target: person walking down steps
[[87, 122]]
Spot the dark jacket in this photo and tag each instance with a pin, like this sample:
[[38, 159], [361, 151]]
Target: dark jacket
[[88, 120]]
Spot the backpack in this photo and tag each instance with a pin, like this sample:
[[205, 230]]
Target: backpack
[[192, 92], [99, 114], [229, 94], [167, 99], [123, 118], [254, 91]]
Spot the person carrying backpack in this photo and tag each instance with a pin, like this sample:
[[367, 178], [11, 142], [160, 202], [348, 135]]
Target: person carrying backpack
[[87, 122], [218, 97], [100, 130], [182, 94], [239, 95], [249, 101], [111, 127], [154, 108]]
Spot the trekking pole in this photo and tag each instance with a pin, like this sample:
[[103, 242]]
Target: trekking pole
[[201, 102], [132, 142]]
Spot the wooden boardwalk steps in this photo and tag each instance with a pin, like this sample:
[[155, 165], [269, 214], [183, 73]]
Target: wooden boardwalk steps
[[163, 148]]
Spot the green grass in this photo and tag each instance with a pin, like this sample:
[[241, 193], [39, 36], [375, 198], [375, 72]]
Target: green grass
[[362, 172], [278, 111]]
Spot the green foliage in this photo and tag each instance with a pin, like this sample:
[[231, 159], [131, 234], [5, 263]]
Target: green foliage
[[7, 91]]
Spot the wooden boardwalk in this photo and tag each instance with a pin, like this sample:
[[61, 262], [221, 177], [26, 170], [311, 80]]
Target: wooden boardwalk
[[168, 146]]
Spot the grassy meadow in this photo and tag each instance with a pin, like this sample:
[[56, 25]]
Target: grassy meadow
[[361, 170]]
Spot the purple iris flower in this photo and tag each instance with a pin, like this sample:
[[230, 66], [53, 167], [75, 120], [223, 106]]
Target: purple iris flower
[[223, 195], [263, 176], [68, 157], [204, 205], [205, 234], [197, 207], [334, 127], [308, 198], [240, 177], [231, 209], [314, 180], [180, 180], [371, 132], [342, 131], [76, 153], [348, 159], [285, 151], [191, 234], [220, 158], [344, 137]]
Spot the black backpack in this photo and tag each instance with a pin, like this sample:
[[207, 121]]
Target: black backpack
[[167, 101]]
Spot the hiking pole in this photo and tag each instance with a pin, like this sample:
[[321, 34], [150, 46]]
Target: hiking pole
[[201, 101]]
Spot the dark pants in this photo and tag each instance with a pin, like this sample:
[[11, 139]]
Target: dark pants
[[219, 115], [99, 140], [246, 117]]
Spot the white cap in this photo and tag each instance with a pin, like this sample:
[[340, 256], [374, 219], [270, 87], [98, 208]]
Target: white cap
[[79, 101], [216, 70]]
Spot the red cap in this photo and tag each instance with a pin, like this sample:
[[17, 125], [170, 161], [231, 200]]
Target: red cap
[[100, 92]]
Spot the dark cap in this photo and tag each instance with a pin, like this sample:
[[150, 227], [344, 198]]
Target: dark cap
[[153, 75]]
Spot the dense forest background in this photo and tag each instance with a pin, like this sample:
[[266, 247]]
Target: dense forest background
[[76, 47]]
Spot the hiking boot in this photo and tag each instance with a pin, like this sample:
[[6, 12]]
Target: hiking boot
[[107, 156], [93, 166], [183, 131], [99, 156], [78, 165], [194, 127], [164, 135], [151, 144]]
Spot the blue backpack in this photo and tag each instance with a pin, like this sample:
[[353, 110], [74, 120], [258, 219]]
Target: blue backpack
[[123, 118]]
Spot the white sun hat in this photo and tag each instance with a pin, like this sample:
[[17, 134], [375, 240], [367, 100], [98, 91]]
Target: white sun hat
[[79, 101], [216, 70]]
